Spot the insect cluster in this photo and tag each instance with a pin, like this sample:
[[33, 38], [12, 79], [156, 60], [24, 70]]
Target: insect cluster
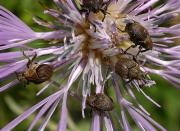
[[129, 68], [35, 73], [126, 66], [138, 34]]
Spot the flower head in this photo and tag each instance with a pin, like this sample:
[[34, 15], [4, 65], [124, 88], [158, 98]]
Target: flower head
[[95, 52]]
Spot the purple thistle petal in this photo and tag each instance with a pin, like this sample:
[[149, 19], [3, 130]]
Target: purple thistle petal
[[95, 125], [71, 5], [61, 4], [48, 116], [85, 91], [44, 109], [11, 18], [11, 28], [151, 120], [9, 85], [10, 55], [76, 72], [172, 77], [134, 97], [27, 113], [112, 120], [60, 34], [65, 61], [148, 4], [125, 122], [149, 98], [11, 68], [44, 88], [63, 120], [116, 88], [108, 124], [173, 80], [17, 44], [118, 119], [13, 32], [138, 118], [16, 54]]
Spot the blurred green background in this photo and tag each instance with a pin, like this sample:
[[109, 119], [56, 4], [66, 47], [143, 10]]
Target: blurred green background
[[15, 100]]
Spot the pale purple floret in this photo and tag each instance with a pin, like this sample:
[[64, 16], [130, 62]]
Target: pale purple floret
[[80, 54], [47, 103], [14, 33], [12, 29], [96, 122]]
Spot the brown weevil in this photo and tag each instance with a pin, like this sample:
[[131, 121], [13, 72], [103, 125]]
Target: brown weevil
[[138, 35], [129, 69], [94, 6], [100, 102], [35, 73]]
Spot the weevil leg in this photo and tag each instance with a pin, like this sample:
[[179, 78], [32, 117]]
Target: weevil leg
[[132, 46], [34, 57], [86, 17], [133, 56], [87, 14], [140, 49], [31, 60], [127, 49], [106, 4], [120, 29], [104, 13]]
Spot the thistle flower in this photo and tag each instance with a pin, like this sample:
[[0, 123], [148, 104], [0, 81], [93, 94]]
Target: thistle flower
[[90, 56]]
